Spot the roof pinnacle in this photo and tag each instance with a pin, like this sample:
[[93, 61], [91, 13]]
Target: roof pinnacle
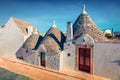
[[83, 9], [54, 24]]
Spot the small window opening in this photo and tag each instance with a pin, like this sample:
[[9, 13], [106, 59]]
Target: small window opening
[[26, 51], [68, 44], [26, 30], [83, 40], [68, 54]]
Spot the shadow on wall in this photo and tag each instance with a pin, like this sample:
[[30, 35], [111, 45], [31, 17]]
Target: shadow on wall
[[63, 38], [117, 62]]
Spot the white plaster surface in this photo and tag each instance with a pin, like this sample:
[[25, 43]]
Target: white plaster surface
[[11, 39], [69, 61], [106, 60]]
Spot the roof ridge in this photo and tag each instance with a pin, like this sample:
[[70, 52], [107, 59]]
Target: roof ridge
[[13, 18], [22, 25]]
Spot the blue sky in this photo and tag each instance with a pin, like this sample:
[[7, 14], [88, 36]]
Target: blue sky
[[41, 13]]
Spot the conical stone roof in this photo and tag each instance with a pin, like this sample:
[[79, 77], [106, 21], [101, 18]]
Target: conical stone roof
[[53, 40], [85, 25], [32, 42]]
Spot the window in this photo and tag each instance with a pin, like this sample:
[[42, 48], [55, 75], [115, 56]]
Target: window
[[68, 44], [26, 30], [68, 54], [26, 51]]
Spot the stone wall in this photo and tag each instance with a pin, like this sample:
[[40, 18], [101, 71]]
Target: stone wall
[[106, 60], [29, 56], [32, 58], [53, 61]]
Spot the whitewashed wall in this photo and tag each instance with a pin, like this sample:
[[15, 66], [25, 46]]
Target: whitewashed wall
[[70, 48], [84, 38], [106, 60], [61, 60], [1, 28], [11, 39], [69, 61]]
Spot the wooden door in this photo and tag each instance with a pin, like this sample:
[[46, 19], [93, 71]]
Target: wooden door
[[42, 59], [84, 59]]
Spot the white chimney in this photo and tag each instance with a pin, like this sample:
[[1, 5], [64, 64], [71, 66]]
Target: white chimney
[[69, 35]]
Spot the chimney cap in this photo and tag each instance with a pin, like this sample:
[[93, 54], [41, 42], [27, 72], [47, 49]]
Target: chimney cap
[[69, 22]]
